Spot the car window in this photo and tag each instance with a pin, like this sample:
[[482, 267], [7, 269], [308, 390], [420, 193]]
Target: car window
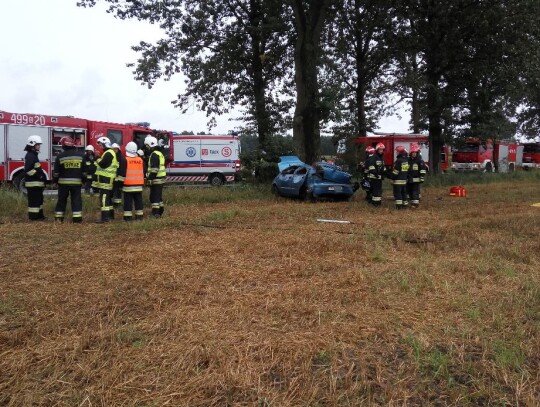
[[289, 170], [301, 171]]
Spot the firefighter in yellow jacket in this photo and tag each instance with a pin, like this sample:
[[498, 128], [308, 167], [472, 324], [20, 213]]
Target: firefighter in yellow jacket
[[106, 168], [133, 182], [156, 175]]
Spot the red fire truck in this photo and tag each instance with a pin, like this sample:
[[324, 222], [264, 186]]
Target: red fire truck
[[15, 128], [531, 155], [475, 155], [392, 140]]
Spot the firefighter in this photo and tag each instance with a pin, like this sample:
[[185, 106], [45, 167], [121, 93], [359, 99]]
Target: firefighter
[[156, 175], [417, 173], [89, 168], [133, 184], [366, 185], [69, 175], [106, 168], [375, 174], [119, 179], [34, 178], [400, 174]]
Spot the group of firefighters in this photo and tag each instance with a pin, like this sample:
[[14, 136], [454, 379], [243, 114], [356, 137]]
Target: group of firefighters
[[407, 175], [111, 174]]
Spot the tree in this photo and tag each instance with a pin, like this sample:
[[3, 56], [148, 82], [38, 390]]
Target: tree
[[310, 17], [357, 58], [232, 52]]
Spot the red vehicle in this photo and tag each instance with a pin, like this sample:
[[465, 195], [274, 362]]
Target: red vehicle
[[531, 155], [476, 155], [392, 140], [204, 165]]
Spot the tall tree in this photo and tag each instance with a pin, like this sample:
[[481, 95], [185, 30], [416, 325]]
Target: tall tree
[[358, 56], [232, 52], [310, 17]]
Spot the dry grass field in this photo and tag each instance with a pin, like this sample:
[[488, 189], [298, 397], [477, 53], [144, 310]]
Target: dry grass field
[[236, 298]]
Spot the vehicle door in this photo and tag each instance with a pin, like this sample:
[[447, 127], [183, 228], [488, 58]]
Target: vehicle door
[[298, 179], [2, 152], [284, 180]]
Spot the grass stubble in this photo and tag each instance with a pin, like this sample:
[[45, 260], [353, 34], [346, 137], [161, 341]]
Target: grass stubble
[[245, 300]]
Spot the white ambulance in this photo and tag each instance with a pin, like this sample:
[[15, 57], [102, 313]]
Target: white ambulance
[[202, 158]]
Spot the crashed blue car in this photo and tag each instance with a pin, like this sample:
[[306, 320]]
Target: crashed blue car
[[311, 182]]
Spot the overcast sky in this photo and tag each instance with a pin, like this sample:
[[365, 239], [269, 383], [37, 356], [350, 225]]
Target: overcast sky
[[59, 59]]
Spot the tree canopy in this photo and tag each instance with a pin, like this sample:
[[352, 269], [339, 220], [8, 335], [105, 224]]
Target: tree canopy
[[464, 67]]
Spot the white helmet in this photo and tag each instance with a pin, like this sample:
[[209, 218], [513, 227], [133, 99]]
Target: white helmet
[[90, 148], [33, 140], [104, 141], [140, 153], [131, 149], [150, 141], [115, 145]]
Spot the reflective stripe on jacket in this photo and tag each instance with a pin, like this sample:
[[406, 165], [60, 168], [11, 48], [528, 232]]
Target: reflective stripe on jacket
[[68, 168], [106, 175], [156, 167], [134, 179]]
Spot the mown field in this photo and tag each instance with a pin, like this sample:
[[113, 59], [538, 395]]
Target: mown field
[[236, 298]]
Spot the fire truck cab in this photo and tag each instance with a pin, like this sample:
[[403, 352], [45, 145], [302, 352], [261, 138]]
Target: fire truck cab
[[486, 156], [392, 140], [531, 156]]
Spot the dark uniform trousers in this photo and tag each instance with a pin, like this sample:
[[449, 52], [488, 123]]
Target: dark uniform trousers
[[105, 203], [35, 202], [130, 199], [413, 190], [117, 193], [400, 194], [156, 199], [64, 191], [376, 191]]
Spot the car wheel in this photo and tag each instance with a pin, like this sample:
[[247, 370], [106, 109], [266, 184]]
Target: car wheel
[[216, 180], [275, 191]]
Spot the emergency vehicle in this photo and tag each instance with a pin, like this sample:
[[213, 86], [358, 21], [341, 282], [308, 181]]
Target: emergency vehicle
[[202, 158], [392, 140], [531, 155], [476, 155], [209, 158]]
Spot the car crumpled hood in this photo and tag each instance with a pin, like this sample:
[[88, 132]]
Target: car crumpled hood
[[285, 161]]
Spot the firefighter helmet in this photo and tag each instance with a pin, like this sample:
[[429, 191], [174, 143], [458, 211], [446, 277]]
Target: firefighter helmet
[[380, 146], [33, 140], [90, 148], [104, 141], [115, 145], [150, 141], [140, 153], [67, 142], [401, 150], [370, 150], [131, 149], [415, 148]]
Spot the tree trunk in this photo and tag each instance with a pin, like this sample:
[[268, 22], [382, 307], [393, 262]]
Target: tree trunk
[[306, 123], [434, 123], [415, 103], [261, 115]]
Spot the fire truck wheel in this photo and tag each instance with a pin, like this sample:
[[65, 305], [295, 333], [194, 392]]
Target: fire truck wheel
[[489, 167], [18, 182], [215, 180], [511, 168]]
